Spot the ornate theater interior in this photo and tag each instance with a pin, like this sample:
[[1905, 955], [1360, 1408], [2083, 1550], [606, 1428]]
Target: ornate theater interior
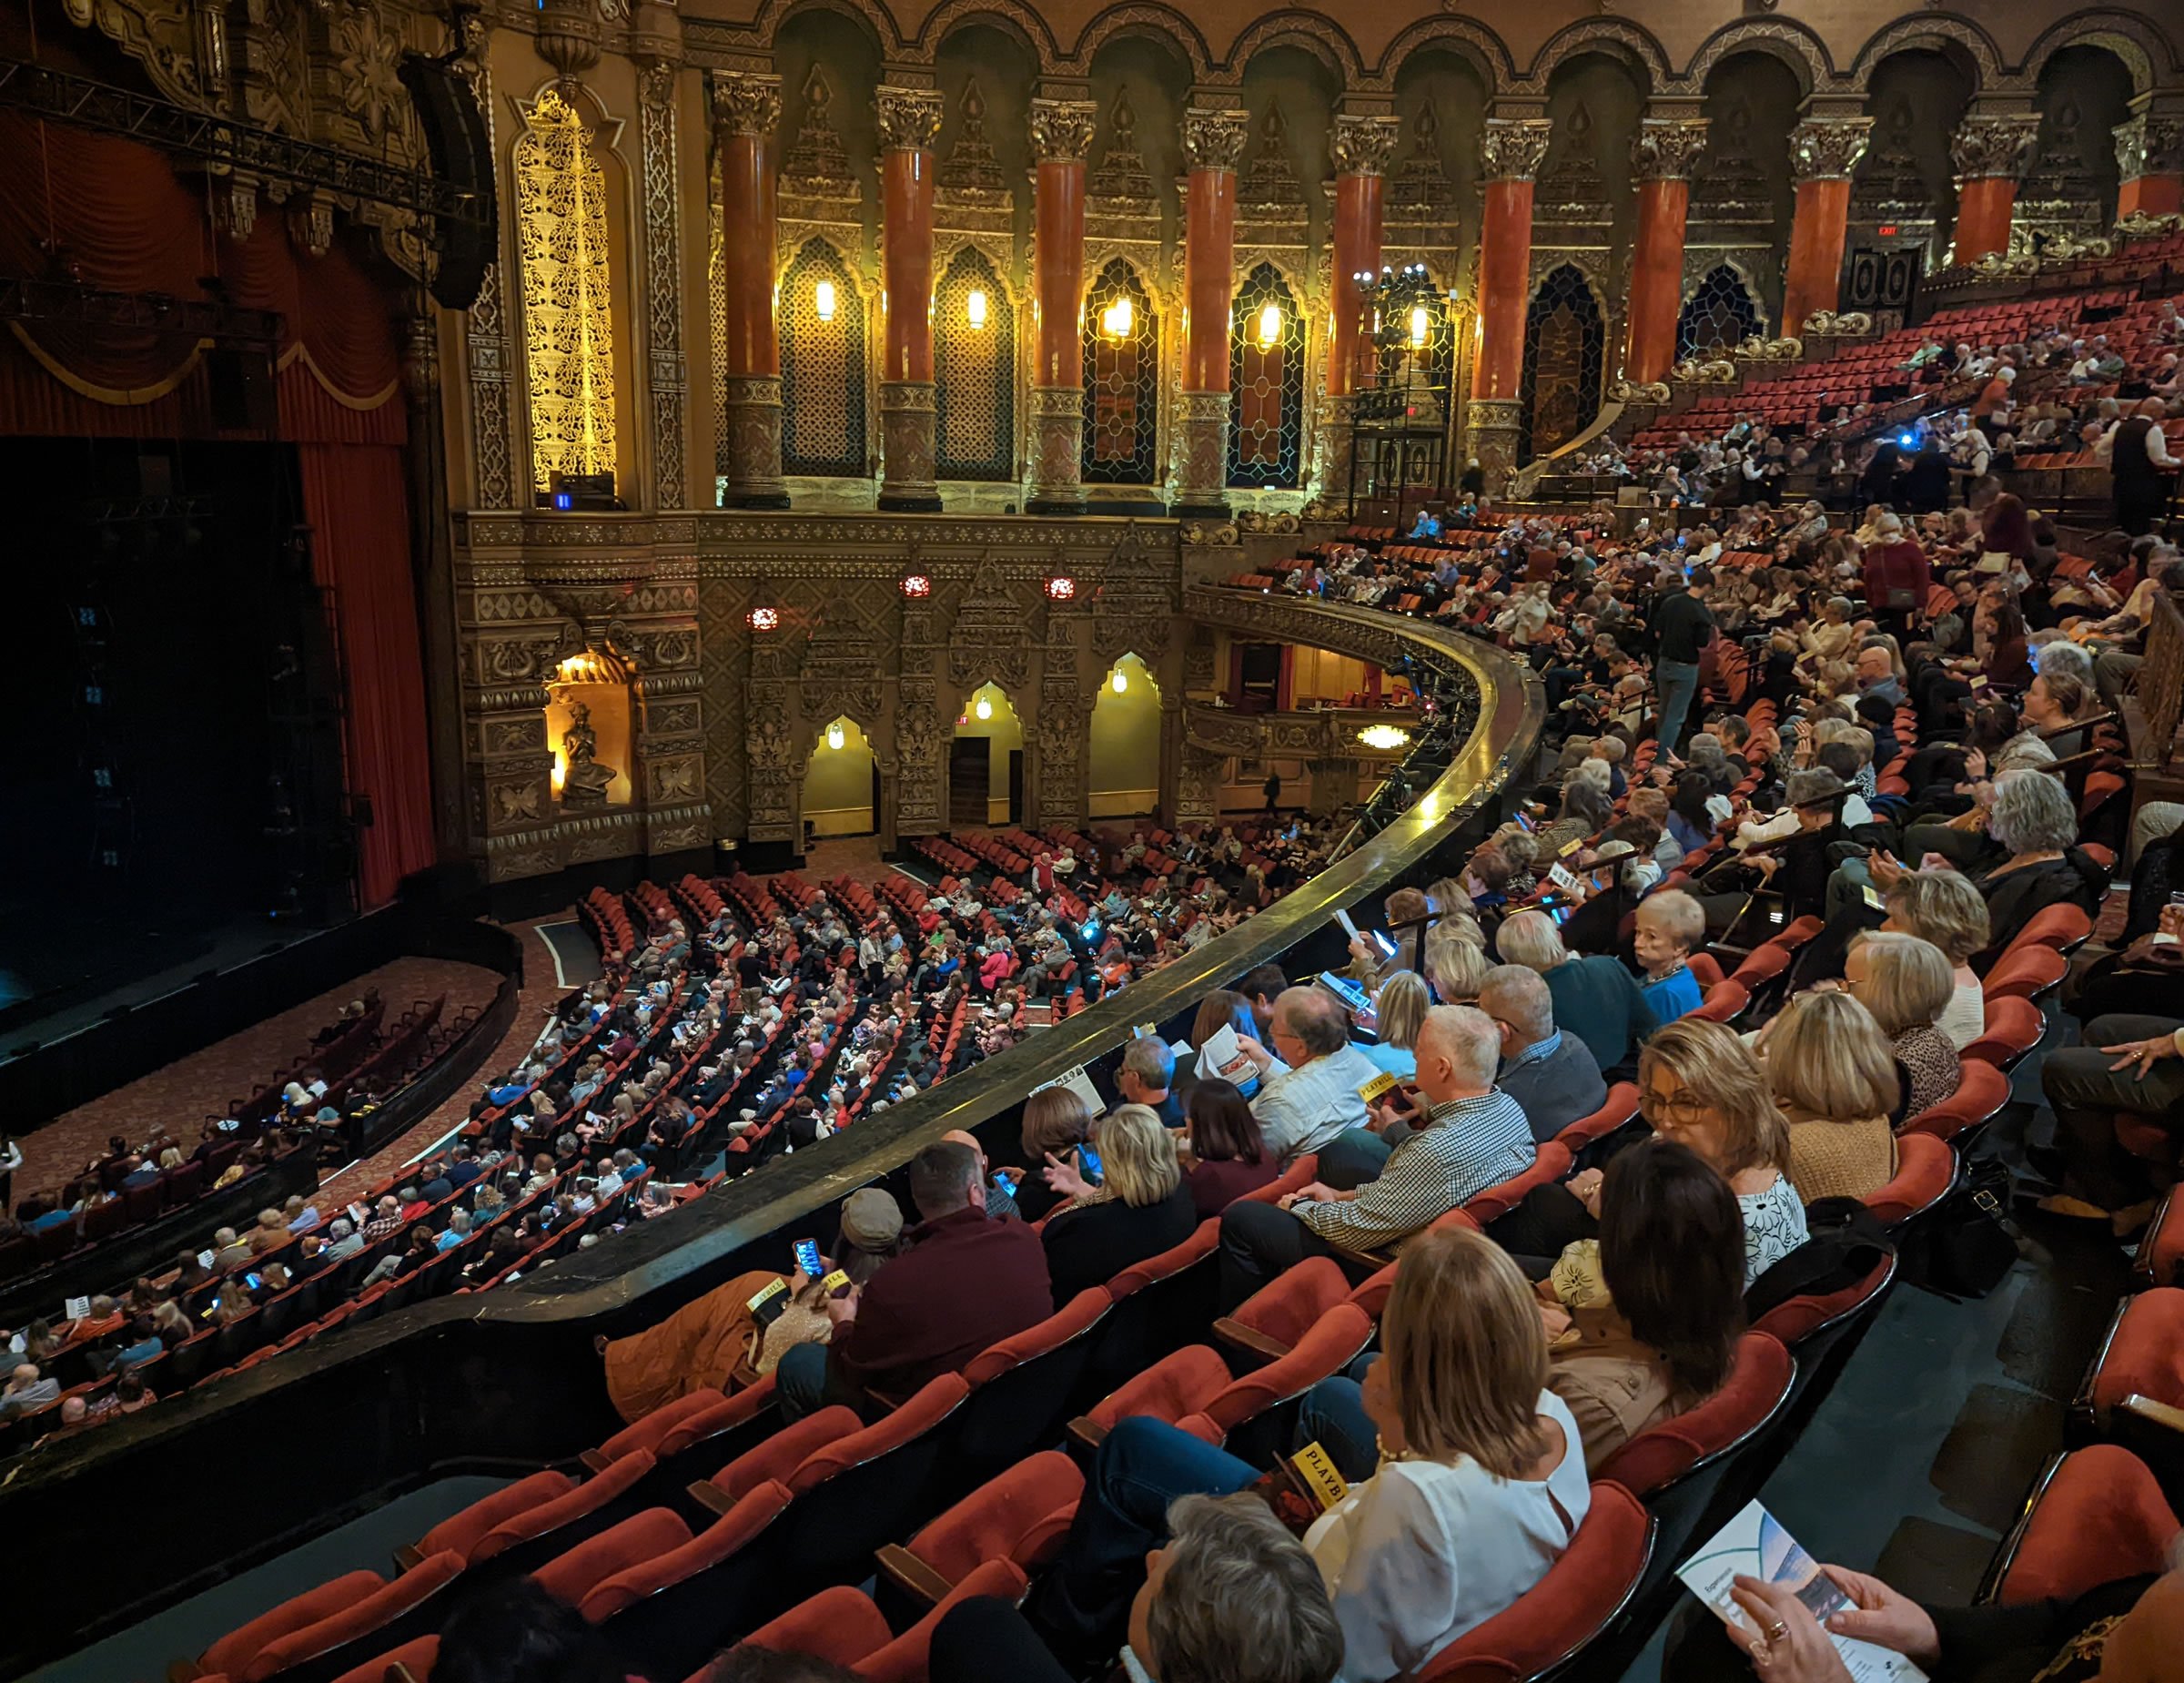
[[659, 609]]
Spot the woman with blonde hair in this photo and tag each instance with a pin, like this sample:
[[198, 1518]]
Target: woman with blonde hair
[[1399, 1009], [1906, 985], [1835, 1077], [1943, 908], [1467, 1474], [1148, 1208], [1456, 968]]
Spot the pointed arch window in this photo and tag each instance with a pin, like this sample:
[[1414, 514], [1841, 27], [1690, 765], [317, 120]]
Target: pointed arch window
[[974, 371], [568, 293], [1266, 380], [1718, 314], [823, 366], [1122, 381], [1565, 343]]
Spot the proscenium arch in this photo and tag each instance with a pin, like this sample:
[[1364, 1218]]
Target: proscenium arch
[[2136, 43], [1477, 45], [1307, 32], [1782, 38], [1611, 37], [1149, 21]]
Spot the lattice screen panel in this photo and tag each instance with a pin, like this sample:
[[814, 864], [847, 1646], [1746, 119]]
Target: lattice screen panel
[[1565, 343], [975, 371], [1266, 378], [822, 367], [568, 293], [1122, 381], [1718, 314]]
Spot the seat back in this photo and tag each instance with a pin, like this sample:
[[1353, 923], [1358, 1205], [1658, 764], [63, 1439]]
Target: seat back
[[2095, 1514], [1662, 1455], [1926, 1170], [1549, 1163], [869, 1487], [2013, 1029], [668, 1611], [1022, 1388], [407, 1607], [1617, 1110], [1979, 1098], [1579, 1600], [1263, 1396], [1160, 1304]]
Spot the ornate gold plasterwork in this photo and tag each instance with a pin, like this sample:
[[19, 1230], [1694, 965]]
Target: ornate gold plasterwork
[[663, 283], [1062, 129], [1511, 148], [1214, 136], [1665, 149], [1828, 148], [1361, 146], [1986, 146], [909, 117], [746, 104]]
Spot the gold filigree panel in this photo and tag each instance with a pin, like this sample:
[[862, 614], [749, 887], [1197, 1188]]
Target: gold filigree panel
[[568, 291]]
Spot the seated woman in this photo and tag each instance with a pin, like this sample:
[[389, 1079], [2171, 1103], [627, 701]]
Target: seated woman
[[1227, 1155], [1055, 1121], [1644, 1324], [1585, 811], [1224, 1007], [2034, 821], [1701, 1087], [1907, 984], [1398, 1009], [1148, 1208], [1467, 1474], [1943, 908], [1835, 1077], [1455, 964]]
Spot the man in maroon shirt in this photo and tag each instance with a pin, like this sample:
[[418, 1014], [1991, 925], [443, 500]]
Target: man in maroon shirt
[[966, 1283]]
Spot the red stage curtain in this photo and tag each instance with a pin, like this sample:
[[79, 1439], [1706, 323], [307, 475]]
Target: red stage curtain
[[356, 501]]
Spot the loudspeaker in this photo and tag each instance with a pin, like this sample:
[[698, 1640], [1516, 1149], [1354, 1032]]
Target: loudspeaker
[[462, 156], [240, 384]]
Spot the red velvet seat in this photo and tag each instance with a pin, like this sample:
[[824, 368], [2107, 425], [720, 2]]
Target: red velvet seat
[[2160, 1256], [1978, 1099], [1759, 1384], [779, 1455], [1272, 1319], [717, 1419], [1579, 1598], [580, 1503], [570, 1577], [2014, 1027], [671, 1605], [2143, 1353], [1925, 1170], [871, 1486], [1333, 1342], [1176, 1385], [648, 1432], [1762, 964], [1021, 1516], [1723, 1002], [1620, 1107], [904, 1659], [461, 1532], [2060, 926], [1795, 1320], [1551, 1162], [1702, 965], [356, 1616], [2096, 1515], [234, 1652], [2025, 971], [839, 1626]]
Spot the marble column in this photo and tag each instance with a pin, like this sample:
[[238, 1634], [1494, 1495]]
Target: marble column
[[745, 111], [1213, 139], [1661, 155], [909, 118], [1510, 152], [1061, 134], [1990, 153], [2149, 154], [1362, 146], [1824, 151]]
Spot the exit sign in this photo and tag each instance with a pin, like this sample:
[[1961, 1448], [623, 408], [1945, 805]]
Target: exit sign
[[1886, 230]]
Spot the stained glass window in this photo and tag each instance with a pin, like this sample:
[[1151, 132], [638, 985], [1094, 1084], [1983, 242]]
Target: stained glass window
[[823, 366], [1718, 314], [975, 371], [568, 291], [1266, 380], [1564, 351], [1122, 381]]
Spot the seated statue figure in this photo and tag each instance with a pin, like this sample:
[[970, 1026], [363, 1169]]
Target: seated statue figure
[[584, 781]]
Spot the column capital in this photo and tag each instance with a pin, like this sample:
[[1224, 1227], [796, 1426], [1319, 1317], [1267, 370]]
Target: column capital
[[909, 117], [1213, 137], [1511, 148], [1665, 149], [1062, 129], [1361, 146], [746, 104], [1990, 146], [2149, 146], [1828, 148]]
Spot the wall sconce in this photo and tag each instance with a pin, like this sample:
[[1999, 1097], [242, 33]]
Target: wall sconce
[[974, 309], [1120, 682], [917, 586], [822, 300], [1117, 318], [837, 736], [1061, 589], [1420, 324], [765, 619], [982, 709], [1269, 326]]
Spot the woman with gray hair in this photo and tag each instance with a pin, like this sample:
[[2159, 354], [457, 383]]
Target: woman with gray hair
[[1595, 997], [2036, 824]]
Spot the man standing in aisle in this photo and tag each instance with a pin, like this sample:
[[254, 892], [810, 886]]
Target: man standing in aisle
[[1682, 628]]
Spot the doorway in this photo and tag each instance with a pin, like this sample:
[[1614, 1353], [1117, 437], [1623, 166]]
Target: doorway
[[970, 775]]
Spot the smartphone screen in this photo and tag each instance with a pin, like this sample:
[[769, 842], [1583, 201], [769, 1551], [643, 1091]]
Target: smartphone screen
[[1087, 1160], [807, 1258], [252, 1282]]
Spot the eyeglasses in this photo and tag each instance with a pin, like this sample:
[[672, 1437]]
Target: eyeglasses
[[1680, 1109]]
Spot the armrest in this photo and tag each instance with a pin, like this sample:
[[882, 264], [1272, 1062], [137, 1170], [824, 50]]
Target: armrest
[[886, 1402], [407, 1555], [1087, 1431], [1233, 1332], [2162, 1414], [912, 1575], [595, 1460], [745, 1376], [712, 1497]]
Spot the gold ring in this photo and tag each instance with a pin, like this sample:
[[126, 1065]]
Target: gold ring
[[1777, 1630]]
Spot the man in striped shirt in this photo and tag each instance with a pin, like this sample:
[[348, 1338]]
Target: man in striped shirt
[[1473, 1135]]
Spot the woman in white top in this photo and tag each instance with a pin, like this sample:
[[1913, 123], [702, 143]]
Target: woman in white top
[[1477, 1487]]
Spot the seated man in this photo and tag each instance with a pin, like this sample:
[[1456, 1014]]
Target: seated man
[[1670, 926], [1549, 1074], [1308, 1084], [1146, 1077], [1471, 1137], [2130, 1064], [964, 1283]]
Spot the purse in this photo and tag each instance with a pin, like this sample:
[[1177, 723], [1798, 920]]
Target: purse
[[1966, 1247]]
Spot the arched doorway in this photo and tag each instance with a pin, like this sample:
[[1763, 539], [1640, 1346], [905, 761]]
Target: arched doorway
[[986, 761], [841, 783], [1125, 741]]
